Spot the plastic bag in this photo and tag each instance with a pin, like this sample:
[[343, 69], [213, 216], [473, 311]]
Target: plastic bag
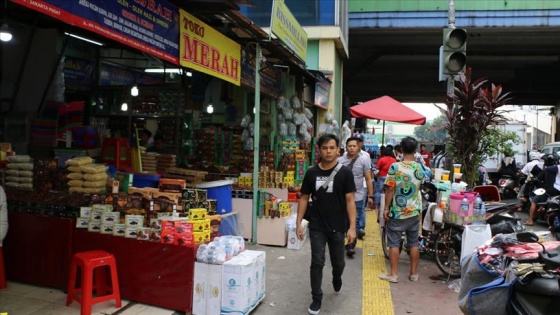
[[281, 102], [283, 129], [302, 130], [307, 112], [292, 129], [246, 121], [244, 135], [252, 129], [295, 102], [287, 112], [308, 124], [329, 117], [298, 118], [307, 137], [248, 144]]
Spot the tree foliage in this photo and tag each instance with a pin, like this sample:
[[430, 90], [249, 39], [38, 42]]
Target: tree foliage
[[471, 110], [433, 131]]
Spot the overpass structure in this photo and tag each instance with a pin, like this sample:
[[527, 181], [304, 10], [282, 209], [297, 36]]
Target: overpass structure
[[394, 48]]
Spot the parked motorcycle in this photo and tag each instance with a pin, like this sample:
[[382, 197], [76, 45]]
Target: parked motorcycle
[[444, 240], [536, 293], [507, 186]]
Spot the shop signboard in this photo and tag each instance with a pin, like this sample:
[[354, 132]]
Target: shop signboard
[[322, 90], [114, 75], [78, 72], [270, 76], [150, 26], [284, 25], [204, 49]]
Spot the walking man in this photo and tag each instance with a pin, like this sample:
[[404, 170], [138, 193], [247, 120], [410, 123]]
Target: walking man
[[360, 165], [332, 217], [403, 204]]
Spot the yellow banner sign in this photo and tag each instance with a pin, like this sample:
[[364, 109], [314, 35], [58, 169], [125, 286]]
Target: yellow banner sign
[[204, 49], [285, 26]]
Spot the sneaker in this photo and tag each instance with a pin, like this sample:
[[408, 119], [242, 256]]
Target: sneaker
[[413, 278], [350, 252], [337, 286], [315, 307], [361, 234], [388, 277]]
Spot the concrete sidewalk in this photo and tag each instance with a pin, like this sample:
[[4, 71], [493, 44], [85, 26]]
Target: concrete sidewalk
[[288, 289]]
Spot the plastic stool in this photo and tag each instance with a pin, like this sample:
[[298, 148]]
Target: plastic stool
[[116, 151], [3, 283], [89, 263]]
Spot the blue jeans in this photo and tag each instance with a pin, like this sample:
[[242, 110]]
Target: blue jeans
[[360, 215], [318, 241], [379, 184]]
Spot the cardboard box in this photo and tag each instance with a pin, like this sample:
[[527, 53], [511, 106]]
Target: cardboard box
[[94, 226], [238, 285], [271, 231], [110, 217], [119, 229], [293, 240], [82, 223], [125, 180], [113, 186], [143, 234], [207, 289], [85, 212], [107, 228], [130, 232], [136, 221], [259, 270]]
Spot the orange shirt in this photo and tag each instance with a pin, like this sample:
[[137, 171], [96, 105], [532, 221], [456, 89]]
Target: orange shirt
[[383, 165]]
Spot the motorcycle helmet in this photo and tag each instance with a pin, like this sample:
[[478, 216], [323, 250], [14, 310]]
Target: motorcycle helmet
[[550, 159]]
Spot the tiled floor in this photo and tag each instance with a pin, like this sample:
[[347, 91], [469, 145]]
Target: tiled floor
[[23, 299]]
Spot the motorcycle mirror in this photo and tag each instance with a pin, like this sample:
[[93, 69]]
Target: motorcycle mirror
[[527, 237], [540, 191]]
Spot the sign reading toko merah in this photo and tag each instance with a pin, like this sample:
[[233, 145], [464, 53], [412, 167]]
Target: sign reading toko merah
[[147, 25], [204, 49]]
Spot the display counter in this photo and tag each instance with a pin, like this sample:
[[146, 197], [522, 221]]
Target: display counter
[[151, 273], [38, 249]]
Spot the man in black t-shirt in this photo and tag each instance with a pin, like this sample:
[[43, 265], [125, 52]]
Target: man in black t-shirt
[[332, 217]]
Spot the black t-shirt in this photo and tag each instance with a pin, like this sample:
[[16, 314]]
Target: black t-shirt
[[329, 211]]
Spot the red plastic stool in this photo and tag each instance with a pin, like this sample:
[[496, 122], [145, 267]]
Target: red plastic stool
[[3, 284], [116, 151], [89, 263]]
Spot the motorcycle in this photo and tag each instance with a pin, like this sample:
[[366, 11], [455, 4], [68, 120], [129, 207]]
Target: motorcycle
[[533, 292], [443, 241], [507, 186]]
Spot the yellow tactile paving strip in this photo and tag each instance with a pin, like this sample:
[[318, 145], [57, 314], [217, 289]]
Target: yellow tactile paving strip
[[376, 293]]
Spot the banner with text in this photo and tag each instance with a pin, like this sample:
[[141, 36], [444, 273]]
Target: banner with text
[[270, 76], [285, 26], [147, 25], [204, 49]]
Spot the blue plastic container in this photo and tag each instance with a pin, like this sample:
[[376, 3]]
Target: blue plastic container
[[221, 191], [145, 180]]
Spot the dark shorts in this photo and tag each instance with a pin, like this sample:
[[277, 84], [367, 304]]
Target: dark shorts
[[395, 228]]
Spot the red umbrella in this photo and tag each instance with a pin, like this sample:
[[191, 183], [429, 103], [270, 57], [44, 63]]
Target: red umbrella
[[387, 108]]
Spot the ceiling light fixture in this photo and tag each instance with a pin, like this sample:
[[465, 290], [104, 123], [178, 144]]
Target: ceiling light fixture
[[5, 34], [210, 109], [162, 70], [189, 74], [124, 107], [134, 90], [84, 39]]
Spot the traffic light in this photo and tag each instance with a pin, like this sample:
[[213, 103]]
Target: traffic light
[[454, 57]]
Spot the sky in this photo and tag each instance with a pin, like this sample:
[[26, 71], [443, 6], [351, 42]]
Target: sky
[[429, 110]]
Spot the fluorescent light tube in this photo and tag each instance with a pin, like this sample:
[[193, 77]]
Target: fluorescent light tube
[[84, 39]]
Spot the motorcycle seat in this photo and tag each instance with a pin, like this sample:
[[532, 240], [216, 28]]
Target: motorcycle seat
[[539, 286]]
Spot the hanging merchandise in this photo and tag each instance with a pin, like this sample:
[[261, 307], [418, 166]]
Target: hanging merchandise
[[252, 129], [302, 130], [296, 104], [283, 130], [246, 121], [292, 129], [298, 118], [244, 135], [248, 144], [308, 123], [307, 137], [308, 113], [329, 117], [287, 112], [281, 102]]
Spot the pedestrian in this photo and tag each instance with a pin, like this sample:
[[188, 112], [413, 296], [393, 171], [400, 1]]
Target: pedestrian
[[332, 216], [361, 169], [403, 204], [146, 139], [426, 155], [382, 166]]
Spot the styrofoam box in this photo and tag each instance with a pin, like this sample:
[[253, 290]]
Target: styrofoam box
[[199, 288], [259, 272], [293, 240], [238, 285]]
